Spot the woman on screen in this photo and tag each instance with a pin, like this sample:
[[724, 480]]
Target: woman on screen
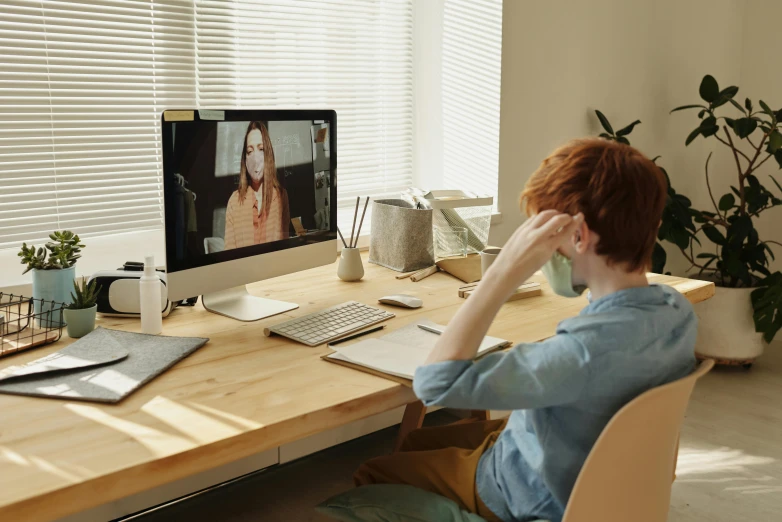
[[258, 211]]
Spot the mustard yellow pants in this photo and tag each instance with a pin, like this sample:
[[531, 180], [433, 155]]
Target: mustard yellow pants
[[442, 459]]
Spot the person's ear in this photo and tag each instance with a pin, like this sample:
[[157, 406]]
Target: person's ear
[[582, 238]]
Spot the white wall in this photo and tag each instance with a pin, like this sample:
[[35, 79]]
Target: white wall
[[427, 86], [632, 59]]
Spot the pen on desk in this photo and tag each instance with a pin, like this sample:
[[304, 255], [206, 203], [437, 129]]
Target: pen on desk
[[354, 336], [430, 329]]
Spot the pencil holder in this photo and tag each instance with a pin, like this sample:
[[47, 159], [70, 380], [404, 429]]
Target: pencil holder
[[350, 266]]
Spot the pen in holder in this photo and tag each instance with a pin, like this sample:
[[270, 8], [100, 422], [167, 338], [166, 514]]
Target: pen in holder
[[351, 268]]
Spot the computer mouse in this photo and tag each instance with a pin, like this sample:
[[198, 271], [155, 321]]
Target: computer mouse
[[405, 301]]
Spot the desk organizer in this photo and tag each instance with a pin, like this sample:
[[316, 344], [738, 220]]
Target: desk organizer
[[21, 328], [401, 236], [456, 209]]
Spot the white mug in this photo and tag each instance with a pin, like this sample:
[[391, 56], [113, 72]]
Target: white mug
[[488, 255]]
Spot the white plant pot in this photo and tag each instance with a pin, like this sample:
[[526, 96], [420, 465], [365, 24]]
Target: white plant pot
[[726, 330]]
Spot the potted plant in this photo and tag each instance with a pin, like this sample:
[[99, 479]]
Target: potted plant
[[53, 269], [748, 297], [80, 314]]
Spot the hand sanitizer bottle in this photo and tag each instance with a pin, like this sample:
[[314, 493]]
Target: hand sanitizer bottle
[[150, 299]]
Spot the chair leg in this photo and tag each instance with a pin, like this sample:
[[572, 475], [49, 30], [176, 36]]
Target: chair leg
[[412, 419]]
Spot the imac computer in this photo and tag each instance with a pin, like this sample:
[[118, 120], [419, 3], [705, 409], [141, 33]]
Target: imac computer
[[248, 195]]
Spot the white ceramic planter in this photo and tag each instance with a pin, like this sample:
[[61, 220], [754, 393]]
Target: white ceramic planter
[[350, 266], [726, 330]]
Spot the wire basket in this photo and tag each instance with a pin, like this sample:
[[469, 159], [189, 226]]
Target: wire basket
[[27, 323]]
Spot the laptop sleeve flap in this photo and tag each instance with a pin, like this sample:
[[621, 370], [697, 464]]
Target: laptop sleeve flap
[[98, 348]]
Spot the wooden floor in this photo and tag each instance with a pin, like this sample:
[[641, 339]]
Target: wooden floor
[[730, 465]]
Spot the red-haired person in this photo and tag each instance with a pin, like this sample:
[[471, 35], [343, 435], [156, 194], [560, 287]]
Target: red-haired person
[[594, 208]]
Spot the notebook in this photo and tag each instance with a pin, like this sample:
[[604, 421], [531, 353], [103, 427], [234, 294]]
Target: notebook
[[399, 353]]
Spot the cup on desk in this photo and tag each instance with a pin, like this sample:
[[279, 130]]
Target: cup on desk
[[488, 255]]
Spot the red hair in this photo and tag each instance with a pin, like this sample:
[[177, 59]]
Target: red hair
[[620, 191]]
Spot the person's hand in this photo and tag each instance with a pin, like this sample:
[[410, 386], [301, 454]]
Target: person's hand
[[531, 245]]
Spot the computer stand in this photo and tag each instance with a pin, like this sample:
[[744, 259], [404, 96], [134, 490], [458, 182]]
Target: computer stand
[[237, 303]]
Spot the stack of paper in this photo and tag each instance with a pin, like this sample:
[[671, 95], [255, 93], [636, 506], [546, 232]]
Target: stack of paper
[[402, 351]]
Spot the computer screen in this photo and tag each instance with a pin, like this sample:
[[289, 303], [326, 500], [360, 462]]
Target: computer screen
[[244, 183]]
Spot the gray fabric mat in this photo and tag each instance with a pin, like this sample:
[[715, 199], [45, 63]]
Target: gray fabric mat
[[113, 364]]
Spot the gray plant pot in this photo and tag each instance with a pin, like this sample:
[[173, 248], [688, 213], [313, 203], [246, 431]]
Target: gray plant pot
[[80, 322]]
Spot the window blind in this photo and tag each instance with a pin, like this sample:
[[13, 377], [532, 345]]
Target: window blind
[[81, 90], [351, 56], [82, 85], [471, 67]]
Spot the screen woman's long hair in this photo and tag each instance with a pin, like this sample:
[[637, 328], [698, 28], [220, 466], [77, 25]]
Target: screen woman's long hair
[[270, 182]]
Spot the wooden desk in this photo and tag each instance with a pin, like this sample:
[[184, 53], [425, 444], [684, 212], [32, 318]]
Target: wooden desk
[[240, 394]]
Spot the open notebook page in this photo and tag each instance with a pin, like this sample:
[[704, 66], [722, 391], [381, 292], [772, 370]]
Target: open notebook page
[[401, 352]]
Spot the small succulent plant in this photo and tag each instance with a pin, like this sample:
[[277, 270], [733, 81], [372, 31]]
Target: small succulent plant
[[61, 252], [84, 296]]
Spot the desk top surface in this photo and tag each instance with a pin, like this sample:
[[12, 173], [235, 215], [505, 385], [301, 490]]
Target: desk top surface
[[240, 394]]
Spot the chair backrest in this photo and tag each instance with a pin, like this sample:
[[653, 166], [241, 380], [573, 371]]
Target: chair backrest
[[628, 474]]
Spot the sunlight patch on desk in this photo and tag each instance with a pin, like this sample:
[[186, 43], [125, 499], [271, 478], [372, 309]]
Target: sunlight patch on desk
[[241, 421], [161, 444], [196, 425], [48, 467], [9, 455]]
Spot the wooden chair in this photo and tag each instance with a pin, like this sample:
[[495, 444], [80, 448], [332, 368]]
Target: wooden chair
[[627, 476]]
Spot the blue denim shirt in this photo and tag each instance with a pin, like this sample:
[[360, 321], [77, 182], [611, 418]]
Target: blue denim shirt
[[563, 392]]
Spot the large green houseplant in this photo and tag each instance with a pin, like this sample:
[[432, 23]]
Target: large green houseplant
[[730, 251]]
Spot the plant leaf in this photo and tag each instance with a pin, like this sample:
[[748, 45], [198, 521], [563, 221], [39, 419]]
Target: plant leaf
[[709, 126], [679, 236], [729, 92], [767, 109], [778, 157], [622, 139], [684, 200], [659, 258], [706, 255], [775, 182], [604, 122], [714, 235], [774, 141], [744, 127], [709, 89], [694, 134], [736, 104], [739, 231], [685, 107], [627, 130], [748, 104], [726, 202]]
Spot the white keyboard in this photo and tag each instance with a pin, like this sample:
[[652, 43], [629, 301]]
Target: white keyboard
[[330, 324]]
